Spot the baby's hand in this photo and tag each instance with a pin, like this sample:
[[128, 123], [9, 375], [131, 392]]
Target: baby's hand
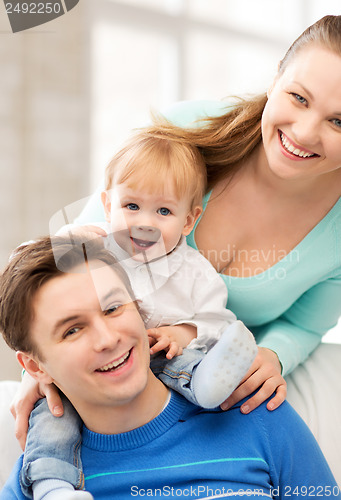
[[172, 338], [86, 231], [162, 339], [264, 375], [23, 403]]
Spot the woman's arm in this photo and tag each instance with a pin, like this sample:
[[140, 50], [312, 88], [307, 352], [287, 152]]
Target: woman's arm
[[300, 329], [286, 342], [93, 210]]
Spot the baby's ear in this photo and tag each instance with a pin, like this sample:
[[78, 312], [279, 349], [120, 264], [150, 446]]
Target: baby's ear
[[33, 367], [106, 202], [192, 217]]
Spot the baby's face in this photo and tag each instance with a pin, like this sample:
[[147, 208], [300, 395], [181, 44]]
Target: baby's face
[[147, 225]]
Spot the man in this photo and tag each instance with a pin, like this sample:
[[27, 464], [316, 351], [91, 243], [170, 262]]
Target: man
[[68, 310]]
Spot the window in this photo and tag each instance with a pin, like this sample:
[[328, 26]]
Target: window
[[147, 55]]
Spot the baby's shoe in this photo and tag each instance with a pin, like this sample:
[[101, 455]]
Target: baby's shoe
[[224, 366], [55, 489]]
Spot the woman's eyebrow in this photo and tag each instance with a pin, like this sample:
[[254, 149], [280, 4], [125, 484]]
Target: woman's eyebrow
[[309, 94]]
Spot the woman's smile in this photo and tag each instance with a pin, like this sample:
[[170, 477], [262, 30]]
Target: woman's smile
[[293, 150]]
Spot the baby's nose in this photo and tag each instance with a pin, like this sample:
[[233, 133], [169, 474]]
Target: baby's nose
[[145, 232]]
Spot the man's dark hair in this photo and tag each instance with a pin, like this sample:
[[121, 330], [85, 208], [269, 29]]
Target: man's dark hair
[[34, 264]]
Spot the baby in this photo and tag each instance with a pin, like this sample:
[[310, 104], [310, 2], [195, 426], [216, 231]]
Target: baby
[[154, 188]]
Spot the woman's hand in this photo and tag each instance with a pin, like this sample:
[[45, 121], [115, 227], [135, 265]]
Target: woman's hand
[[23, 403], [264, 375], [86, 231]]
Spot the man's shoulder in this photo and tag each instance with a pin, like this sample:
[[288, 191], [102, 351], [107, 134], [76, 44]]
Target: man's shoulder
[[261, 418]]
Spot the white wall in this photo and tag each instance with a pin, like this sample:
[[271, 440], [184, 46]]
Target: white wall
[[44, 135]]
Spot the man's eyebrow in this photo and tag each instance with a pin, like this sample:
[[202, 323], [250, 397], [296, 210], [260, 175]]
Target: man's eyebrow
[[74, 317], [112, 293], [64, 321]]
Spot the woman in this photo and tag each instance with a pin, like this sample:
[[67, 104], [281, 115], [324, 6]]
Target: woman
[[272, 219]]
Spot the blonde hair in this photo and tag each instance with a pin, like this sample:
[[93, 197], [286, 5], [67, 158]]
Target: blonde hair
[[151, 157], [228, 140]]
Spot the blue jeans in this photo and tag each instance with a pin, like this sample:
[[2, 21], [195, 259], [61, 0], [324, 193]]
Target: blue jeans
[[177, 373], [53, 447], [53, 443]]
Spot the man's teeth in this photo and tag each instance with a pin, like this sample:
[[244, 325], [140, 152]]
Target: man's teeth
[[297, 152], [114, 364]]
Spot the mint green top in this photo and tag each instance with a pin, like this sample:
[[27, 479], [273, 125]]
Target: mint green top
[[292, 304]]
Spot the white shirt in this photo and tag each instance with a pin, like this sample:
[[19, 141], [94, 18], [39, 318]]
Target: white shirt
[[180, 287]]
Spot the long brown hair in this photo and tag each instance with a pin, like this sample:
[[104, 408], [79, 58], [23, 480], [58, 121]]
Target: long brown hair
[[224, 141], [227, 141]]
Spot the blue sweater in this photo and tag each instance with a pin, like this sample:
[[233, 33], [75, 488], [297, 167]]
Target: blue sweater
[[187, 452]]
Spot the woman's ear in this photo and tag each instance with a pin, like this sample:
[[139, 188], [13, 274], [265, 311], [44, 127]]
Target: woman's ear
[[192, 217], [106, 202], [33, 367]]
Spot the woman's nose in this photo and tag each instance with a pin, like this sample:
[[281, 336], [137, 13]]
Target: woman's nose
[[307, 131]]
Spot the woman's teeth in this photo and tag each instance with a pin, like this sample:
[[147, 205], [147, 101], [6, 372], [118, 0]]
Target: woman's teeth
[[114, 364], [297, 152]]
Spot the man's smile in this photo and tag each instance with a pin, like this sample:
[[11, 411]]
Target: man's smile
[[115, 364]]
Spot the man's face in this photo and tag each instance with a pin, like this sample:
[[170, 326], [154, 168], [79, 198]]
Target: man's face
[[91, 338]]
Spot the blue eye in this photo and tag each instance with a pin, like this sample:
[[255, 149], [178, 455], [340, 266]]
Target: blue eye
[[163, 211], [132, 206], [299, 98], [337, 122]]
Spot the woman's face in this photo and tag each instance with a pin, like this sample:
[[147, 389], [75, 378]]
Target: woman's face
[[301, 123]]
